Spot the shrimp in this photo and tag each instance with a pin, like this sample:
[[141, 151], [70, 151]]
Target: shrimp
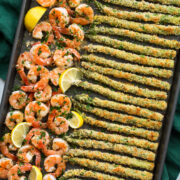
[[84, 15], [55, 74], [33, 75], [24, 61], [34, 112], [5, 165], [44, 95], [46, 3], [4, 147], [62, 102], [26, 154], [74, 3], [73, 30], [43, 27], [64, 58], [51, 162], [12, 118], [15, 172], [41, 54], [18, 99], [59, 125], [59, 17], [64, 4], [49, 177]]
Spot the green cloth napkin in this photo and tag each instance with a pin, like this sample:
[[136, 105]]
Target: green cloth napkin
[[9, 11]]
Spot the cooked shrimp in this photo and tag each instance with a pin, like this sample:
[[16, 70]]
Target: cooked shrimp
[[60, 145], [49, 177], [18, 169], [73, 30], [24, 61], [5, 165], [5, 146], [84, 15], [18, 99], [26, 154], [62, 102], [34, 112], [64, 58], [46, 3], [59, 17], [12, 118], [33, 75], [55, 74], [44, 95], [53, 161], [59, 125], [41, 54], [74, 3], [43, 27]]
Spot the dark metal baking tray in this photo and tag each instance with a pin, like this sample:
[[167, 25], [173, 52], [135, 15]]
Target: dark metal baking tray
[[169, 116]]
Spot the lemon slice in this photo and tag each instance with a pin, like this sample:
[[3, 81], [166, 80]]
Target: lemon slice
[[35, 174], [68, 78], [19, 133], [33, 16], [76, 121]]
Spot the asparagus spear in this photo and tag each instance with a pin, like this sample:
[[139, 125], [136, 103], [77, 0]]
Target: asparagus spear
[[131, 150], [122, 118], [146, 6], [130, 109], [128, 67], [121, 97], [124, 87], [140, 59], [151, 135], [110, 168], [140, 16], [136, 26], [87, 174], [124, 45], [169, 2], [117, 159], [128, 76]]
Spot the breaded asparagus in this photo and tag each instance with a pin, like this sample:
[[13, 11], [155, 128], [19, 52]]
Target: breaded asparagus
[[140, 59], [131, 150], [121, 97], [110, 168], [125, 45], [136, 26], [128, 67], [146, 6], [130, 109], [128, 76], [139, 16], [117, 159], [169, 2], [124, 87]]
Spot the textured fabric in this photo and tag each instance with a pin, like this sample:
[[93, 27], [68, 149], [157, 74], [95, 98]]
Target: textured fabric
[[9, 11]]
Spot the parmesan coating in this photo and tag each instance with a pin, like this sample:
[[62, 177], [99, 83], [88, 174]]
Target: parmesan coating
[[121, 97], [146, 6], [169, 2], [140, 49], [117, 117], [136, 26], [111, 168], [128, 67], [140, 59], [139, 16], [117, 159], [130, 109], [128, 76], [130, 150], [124, 87]]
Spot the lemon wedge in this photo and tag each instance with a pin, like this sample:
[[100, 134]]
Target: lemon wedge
[[33, 16], [68, 78], [19, 133], [76, 121], [35, 174]]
